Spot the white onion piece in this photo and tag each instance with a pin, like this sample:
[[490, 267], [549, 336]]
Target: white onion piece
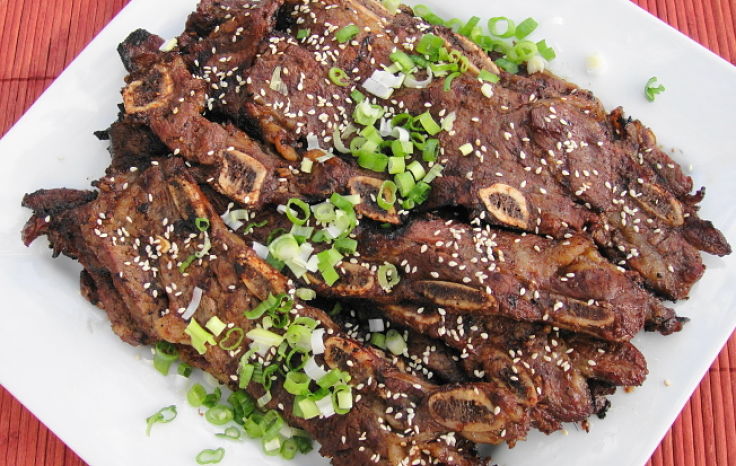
[[386, 128], [334, 231], [276, 83], [376, 88], [260, 249], [313, 370], [317, 341], [326, 157], [325, 406], [193, 304], [231, 223], [313, 264], [409, 81], [312, 142], [286, 431], [535, 65], [376, 325], [448, 122], [388, 79], [169, 45], [401, 134], [337, 142]]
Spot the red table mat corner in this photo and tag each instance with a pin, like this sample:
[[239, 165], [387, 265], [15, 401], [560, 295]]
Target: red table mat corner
[[38, 40]]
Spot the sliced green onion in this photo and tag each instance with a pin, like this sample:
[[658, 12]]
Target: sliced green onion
[[272, 423], [202, 224], [252, 425], [245, 374], [302, 33], [430, 45], [374, 161], [366, 114], [301, 233], [324, 212], [386, 197], [378, 340], [395, 342], [433, 173], [466, 148], [305, 294], [184, 369], [264, 400], [428, 123], [296, 383], [404, 182], [388, 276], [357, 96], [196, 395], [525, 28], [163, 416], [342, 399], [448, 81], [524, 50], [547, 52], [304, 443], [232, 433], [289, 449], [264, 337], [215, 325], [212, 398], [199, 336], [236, 340], [417, 170], [243, 405], [333, 377], [347, 33], [507, 65], [305, 408], [468, 27], [403, 60], [185, 265], [346, 245], [431, 150], [651, 90], [338, 77], [208, 456], [485, 75], [219, 415], [293, 216], [272, 446], [419, 193], [298, 336], [396, 165], [508, 25], [164, 355]]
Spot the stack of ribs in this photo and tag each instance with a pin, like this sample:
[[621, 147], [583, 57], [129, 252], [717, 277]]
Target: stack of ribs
[[524, 276]]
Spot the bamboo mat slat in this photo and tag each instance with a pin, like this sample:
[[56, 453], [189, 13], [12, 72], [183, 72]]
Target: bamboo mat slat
[[38, 39]]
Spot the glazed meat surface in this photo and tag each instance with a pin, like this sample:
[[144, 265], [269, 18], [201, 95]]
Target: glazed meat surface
[[552, 233]]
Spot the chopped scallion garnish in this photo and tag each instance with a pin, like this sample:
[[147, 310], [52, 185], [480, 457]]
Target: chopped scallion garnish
[[652, 90], [164, 355], [208, 456], [338, 77], [163, 416], [347, 33]]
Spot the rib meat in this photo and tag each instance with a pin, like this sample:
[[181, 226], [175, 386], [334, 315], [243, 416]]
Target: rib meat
[[132, 236], [547, 158]]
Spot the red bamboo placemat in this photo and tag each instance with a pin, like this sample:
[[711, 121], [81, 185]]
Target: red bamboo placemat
[[39, 38]]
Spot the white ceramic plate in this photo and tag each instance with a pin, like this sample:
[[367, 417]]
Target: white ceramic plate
[[59, 357]]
